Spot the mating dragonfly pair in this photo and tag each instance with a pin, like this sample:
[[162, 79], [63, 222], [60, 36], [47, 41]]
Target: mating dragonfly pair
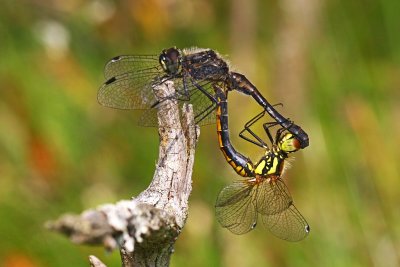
[[202, 77]]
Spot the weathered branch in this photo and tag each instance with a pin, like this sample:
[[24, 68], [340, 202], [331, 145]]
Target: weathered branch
[[145, 228]]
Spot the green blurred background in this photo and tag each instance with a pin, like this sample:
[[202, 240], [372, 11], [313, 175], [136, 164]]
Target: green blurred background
[[335, 65]]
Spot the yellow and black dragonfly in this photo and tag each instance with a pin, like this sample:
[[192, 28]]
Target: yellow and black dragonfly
[[130, 81], [262, 192]]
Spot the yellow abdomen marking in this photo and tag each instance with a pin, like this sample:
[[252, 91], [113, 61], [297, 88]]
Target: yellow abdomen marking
[[220, 140]]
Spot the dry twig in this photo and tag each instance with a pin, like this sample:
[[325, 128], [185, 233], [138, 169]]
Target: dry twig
[[145, 228]]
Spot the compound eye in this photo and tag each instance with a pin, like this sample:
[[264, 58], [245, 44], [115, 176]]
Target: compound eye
[[169, 60], [289, 143], [164, 62]]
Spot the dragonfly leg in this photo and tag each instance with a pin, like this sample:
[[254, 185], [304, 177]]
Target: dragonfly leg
[[240, 83], [186, 95], [247, 128], [267, 127], [208, 110], [204, 91]]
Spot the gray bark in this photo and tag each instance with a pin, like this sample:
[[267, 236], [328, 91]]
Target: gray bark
[[145, 228]]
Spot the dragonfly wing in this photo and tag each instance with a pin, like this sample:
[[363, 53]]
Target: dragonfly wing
[[273, 197], [235, 209], [129, 82], [288, 225], [126, 64], [128, 91]]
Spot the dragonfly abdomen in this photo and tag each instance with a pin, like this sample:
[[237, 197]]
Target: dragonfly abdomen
[[241, 164]]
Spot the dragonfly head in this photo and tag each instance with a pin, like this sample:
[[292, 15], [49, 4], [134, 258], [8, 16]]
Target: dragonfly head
[[288, 143], [170, 60]]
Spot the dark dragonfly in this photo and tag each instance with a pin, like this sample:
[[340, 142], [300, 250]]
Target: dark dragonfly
[[262, 192], [194, 71]]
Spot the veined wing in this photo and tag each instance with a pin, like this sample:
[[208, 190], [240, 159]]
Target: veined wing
[[288, 225], [131, 90], [278, 213], [235, 207], [273, 196], [126, 64], [239, 203]]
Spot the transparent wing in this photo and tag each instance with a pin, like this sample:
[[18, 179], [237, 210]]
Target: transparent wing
[[126, 64], [235, 207], [129, 82], [288, 225], [128, 91], [273, 196], [278, 213]]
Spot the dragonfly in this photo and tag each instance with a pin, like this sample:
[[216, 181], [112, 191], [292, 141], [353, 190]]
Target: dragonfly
[[262, 192], [130, 80]]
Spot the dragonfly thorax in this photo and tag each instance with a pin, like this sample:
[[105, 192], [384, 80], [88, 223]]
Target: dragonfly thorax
[[170, 60], [205, 65], [271, 163]]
